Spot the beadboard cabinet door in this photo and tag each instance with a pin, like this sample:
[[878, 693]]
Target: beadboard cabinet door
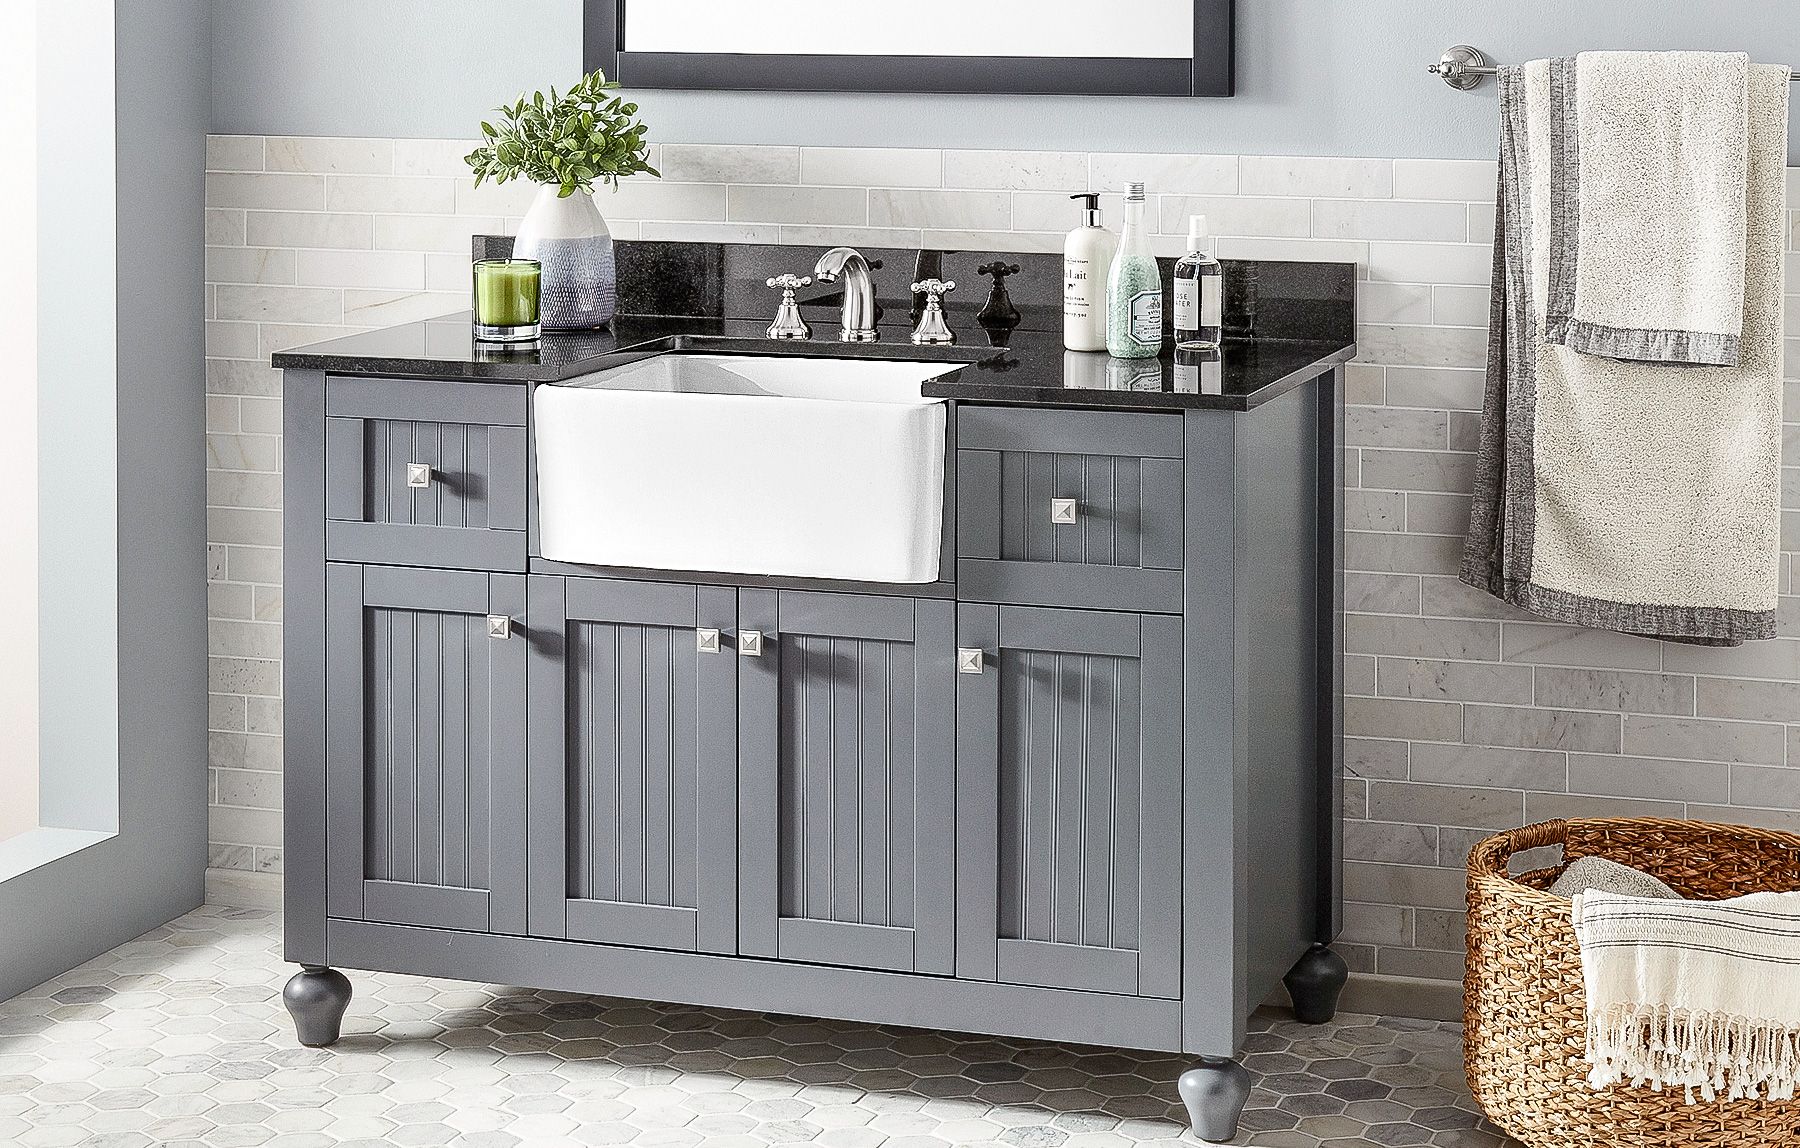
[[425, 747], [634, 763], [1069, 799], [847, 779]]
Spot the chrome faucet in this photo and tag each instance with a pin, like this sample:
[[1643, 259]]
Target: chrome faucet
[[859, 292]]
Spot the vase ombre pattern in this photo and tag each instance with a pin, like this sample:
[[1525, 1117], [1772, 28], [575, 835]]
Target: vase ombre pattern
[[568, 236]]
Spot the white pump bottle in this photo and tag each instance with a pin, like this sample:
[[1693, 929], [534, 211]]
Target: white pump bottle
[[1087, 254]]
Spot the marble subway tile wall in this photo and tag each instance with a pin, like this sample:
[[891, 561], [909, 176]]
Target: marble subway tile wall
[[1464, 715]]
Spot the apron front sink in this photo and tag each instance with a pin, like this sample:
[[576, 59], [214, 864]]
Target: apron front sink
[[802, 467]]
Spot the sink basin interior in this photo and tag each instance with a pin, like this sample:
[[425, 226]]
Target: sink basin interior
[[773, 376]]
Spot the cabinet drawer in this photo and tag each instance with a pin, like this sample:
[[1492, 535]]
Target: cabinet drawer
[[1069, 508], [425, 473]]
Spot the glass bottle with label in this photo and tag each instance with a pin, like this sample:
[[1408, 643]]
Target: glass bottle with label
[[1134, 294], [1199, 293]]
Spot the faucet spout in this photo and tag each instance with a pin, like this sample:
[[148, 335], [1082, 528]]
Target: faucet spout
[[859, 292]]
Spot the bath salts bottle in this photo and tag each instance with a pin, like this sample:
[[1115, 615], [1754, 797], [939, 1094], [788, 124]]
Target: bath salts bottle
[[1134, 294]]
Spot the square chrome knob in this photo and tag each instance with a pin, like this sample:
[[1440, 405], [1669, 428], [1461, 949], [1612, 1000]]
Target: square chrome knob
[[750, 643], [418, 475], [970, 661], [499, 626], [706, 641], [1065, 511]]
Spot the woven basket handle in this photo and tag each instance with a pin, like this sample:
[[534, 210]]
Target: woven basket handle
[[1489, 858]]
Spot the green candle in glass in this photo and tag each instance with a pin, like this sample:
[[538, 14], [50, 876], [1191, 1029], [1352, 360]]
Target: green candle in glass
[[506, 300]]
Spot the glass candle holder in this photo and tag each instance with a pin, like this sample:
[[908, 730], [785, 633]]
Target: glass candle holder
[[506, 300]]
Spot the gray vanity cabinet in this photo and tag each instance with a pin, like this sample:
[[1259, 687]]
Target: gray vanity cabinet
[[425, 747], [1084, 787], [1069, 799], [633, 763], [847, 751]]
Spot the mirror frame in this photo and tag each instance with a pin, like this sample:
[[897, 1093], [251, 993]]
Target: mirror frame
[[1209, 73]]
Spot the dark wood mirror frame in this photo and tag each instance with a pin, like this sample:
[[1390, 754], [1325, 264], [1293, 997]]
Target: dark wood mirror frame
[[1209, 73]]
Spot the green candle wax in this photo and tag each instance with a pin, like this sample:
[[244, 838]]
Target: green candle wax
[[506, 292]]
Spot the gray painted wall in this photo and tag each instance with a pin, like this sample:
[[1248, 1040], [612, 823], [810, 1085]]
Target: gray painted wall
[[1316, 77], [152, 869]]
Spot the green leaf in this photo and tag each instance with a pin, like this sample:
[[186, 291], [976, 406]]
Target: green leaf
[[570, 140]]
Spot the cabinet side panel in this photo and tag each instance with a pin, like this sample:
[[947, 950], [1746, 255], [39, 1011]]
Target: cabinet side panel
[[1215, 654], [303, 664], [1329, 687], [1280, 594]]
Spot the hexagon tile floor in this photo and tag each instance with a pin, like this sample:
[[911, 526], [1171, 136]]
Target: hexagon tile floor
[[179, 1038]]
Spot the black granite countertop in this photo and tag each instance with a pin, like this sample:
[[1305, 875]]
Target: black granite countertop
[[1286, 323], [1033, 369]]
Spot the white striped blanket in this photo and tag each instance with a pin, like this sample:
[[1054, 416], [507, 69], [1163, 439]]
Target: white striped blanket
[[1698, 995]]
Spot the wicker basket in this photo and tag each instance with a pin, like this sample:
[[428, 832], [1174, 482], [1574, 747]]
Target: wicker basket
[[1524, 1014]]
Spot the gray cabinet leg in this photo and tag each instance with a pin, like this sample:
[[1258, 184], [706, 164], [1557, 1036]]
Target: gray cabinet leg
[[1215, 1095], [317, 998], [1314, 984]]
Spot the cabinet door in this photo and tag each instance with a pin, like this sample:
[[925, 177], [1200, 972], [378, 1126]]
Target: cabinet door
[[847, 779], [633, 763], [1069, 810], [425, 745]]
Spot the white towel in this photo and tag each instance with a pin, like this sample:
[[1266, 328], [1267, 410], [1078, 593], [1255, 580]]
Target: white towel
[[1639, 497], [1648, 205], [1698, 995]]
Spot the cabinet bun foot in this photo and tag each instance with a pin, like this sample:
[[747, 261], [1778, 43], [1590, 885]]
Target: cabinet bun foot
[[1315, 983], [1215, 1094], [317, 998]]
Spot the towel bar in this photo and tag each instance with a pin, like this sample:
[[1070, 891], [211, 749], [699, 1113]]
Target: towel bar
[[1465, 68]]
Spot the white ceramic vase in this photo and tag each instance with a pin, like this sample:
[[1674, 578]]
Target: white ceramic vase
[[568, 236]]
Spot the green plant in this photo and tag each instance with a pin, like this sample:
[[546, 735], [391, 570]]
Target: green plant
[[569, 141]]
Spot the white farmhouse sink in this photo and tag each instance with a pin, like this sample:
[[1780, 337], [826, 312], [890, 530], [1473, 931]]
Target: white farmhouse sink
[[804, 467]]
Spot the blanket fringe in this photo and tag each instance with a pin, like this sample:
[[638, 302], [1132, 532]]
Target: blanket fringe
[[1714, 1055]]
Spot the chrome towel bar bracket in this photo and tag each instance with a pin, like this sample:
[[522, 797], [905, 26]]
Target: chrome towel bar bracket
[[1466, 68], [1463, 67]]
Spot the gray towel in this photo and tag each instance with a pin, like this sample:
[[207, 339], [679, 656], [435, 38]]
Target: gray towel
[[1587, 874], [1605, 494], [1650, 152]]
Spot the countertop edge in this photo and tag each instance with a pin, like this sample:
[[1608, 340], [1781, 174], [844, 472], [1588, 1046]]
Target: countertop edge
[[963, 388], [1003, 394]]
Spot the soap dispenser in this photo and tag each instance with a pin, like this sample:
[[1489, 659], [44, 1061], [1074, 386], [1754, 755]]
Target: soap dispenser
[[1087, 255]]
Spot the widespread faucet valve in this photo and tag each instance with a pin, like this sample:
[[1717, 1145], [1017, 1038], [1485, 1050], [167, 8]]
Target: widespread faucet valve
[[788, 322], [932, 330]]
